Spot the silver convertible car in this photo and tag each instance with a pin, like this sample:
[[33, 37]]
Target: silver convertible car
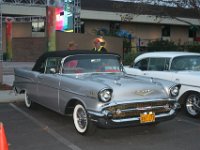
[[95, 90]]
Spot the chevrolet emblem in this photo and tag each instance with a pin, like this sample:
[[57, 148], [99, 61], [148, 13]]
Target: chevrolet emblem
[[143, 92]]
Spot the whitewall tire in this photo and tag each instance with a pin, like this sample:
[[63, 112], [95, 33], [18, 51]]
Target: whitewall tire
[[28, 102], [81, 121]]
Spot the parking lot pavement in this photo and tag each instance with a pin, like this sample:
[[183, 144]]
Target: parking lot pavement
[[7, 96], [25, 133], [40, 128]]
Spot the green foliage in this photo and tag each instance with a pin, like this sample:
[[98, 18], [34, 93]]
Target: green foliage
[[162, 45], [127, 45], [128, 58], [192, 47]]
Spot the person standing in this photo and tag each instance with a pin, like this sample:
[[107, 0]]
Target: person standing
[[99, 44], [72, 45]]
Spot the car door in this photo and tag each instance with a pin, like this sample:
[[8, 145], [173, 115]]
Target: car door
[[48, 84]]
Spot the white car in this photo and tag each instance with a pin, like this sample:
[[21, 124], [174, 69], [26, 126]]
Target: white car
[[179, 67]]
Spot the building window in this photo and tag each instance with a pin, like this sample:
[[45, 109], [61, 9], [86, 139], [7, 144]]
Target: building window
[[158, 64], [82, 27], [166, 30], [114, 27], [38, 26], [143, 64], [192, 32]]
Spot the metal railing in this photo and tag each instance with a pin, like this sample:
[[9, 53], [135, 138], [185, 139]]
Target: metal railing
[[76, 14]]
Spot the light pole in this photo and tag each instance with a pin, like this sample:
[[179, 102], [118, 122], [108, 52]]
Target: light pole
[[1, 48]]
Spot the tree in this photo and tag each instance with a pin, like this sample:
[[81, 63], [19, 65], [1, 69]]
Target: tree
[[192, 6], [174, 9], [162, 45]]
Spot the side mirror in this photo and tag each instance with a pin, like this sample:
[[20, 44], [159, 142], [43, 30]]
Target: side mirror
[[52, 70]]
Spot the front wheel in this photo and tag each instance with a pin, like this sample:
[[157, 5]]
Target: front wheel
[[192, 104], [81, 121]]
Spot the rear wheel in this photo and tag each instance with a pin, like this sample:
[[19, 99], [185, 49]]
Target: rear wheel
[[28, 102], [81, 121], [192, 104]]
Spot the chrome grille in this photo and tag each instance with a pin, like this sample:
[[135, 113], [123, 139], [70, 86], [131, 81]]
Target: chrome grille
[[135, 109]]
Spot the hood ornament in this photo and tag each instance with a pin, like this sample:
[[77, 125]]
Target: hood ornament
[[143, 92]]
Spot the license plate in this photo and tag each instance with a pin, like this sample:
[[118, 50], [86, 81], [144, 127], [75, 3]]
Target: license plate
[[147, 117]]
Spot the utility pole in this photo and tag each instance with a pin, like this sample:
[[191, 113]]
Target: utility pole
[[1, 47]]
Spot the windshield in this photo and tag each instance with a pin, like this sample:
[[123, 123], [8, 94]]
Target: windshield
[[186, 63], [91, 64]]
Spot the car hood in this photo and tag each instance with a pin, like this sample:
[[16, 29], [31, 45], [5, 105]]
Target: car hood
[[129, 88]]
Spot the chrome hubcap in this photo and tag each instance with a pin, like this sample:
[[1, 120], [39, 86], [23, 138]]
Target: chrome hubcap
[[81, 118], [192, 102]]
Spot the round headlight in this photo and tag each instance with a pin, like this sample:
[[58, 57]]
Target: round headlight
[[174, 91], [105, 95]]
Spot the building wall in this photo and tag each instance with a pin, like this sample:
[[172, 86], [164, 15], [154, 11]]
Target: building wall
[[143, 31], [85, 42], [28, 48], [146, 32], [22, 29], [19, 30], [91, 26], [23, 51], [179, 34]]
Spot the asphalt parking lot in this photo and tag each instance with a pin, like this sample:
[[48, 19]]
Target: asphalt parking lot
[[40, 128]]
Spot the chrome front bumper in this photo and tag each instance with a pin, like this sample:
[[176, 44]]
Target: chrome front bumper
[[109, 118]]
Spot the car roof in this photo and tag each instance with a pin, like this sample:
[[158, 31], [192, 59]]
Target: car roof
[[164, 54], [62, 54]]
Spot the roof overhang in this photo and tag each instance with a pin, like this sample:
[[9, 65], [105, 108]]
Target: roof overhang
[[114, 16], [11, 9]]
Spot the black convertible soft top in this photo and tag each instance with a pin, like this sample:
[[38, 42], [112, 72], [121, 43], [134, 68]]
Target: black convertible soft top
[[61, 54]]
